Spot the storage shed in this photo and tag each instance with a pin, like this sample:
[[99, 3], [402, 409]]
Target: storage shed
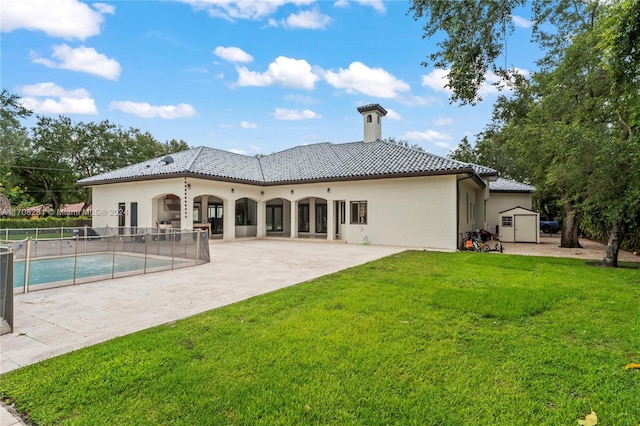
[[519, 225]]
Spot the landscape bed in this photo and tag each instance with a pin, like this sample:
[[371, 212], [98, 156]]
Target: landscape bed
[[417, 338]]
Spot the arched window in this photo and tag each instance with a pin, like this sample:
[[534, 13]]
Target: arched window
[[369, 119]]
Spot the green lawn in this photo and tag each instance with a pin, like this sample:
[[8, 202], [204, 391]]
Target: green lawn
[[418, 338]]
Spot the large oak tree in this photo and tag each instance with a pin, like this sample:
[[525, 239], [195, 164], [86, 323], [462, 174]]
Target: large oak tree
[[571, 128]]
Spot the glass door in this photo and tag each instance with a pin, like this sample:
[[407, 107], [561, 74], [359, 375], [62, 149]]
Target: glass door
[[215, 213], [321, 218], [274, 218], [303, 218]]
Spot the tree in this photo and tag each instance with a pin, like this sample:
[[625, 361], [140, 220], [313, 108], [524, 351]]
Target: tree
[[404, 143], [476, 35], [465, 152], [45, 165], [574, 130], [15, 141]]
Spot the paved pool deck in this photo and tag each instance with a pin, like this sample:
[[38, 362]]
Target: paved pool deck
[[56, 321]]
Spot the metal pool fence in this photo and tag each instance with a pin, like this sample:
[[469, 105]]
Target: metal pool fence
[[6, 289], [145, 249]]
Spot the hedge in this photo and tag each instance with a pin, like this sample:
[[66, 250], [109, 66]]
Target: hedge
[[44, 222]]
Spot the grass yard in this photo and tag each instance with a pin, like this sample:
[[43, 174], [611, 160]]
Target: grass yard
[[418, 338]]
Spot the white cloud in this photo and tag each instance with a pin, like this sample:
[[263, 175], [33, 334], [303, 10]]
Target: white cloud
[[300, 99], [521, 22], [68, 19], [104, 8], [443, 121], [284, 72], [428, 135], [248, 125], [445, 145], [238, 151], [82, 59], [256, 148], [232, 54], [242, 9], [437, 79], [392, 115], [49, 98], [359, 78], [308, 19], [146, 110], [294, 114], [376, 4]]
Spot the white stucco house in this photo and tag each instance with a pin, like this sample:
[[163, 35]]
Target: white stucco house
[[367, 191]]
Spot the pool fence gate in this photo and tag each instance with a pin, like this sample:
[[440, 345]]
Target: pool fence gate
[[6, 289]]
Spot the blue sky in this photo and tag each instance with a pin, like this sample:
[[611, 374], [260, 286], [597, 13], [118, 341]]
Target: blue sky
[[252, 77]]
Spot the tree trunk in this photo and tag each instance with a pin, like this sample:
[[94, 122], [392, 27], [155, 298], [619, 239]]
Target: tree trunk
[[613, 247], [571, 226]]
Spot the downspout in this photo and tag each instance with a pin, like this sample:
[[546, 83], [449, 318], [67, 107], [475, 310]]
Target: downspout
[[458, 236]]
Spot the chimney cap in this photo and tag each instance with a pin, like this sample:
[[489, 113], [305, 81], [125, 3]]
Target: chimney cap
[[372, 107]]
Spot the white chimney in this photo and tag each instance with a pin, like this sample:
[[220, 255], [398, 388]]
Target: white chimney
[[372, 114]]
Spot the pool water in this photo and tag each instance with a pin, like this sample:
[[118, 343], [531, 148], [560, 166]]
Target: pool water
[[61, 268]]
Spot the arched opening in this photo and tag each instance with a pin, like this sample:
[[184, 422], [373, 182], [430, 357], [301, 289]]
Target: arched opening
[[369, 118], [246, 217], [278, 217], [208, 213], [312, 217]]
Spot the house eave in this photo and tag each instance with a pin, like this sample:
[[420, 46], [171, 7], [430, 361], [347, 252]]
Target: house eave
[[470, 172]]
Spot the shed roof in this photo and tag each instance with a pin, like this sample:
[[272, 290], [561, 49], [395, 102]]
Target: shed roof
[[307, 163], [508, 185]]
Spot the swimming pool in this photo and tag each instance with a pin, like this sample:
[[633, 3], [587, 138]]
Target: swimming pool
[[50, 270]]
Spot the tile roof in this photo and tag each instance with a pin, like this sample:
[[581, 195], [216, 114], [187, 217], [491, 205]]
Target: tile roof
[[306, 163], [507, 185]]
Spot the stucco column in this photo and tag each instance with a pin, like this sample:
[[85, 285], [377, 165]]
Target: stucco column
[[204, 209], [229, 227], [153, 213], [331, 226], [312, 215], [261, 217], [294, 219]]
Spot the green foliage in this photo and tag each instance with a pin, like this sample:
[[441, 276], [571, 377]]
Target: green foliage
[[475, 36], [14, 140], [404, 143], [571, 129], [417, 338], [42, 167], [464, 152], [42, 222]]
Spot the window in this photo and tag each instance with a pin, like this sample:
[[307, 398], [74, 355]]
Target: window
[[369, 118], [507, 221], [245, 212], [121, 218], [343, 212], [196, 212], [359, 212]]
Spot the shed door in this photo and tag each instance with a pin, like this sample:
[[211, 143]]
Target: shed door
[[526, 228]]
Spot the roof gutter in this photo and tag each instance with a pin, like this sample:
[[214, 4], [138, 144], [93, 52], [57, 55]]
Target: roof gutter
[[469, 174]]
